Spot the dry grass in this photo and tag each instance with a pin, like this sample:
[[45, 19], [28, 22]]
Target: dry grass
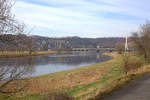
[[69, 81], [58, 96], [22, 54], [115, 84]]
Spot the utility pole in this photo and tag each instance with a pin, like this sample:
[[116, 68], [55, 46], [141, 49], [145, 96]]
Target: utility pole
[[126, 44]]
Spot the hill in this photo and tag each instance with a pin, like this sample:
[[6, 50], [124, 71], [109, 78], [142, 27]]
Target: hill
[[22, 42]]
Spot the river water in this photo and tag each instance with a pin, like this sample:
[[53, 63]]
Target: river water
[[45, 64]]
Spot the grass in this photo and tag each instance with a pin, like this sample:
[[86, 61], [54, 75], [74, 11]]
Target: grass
[[90, 90], [28, 97], [23, 53], [7, 54], [90, 82]]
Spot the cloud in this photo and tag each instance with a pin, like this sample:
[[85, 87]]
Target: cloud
[[86, 18]]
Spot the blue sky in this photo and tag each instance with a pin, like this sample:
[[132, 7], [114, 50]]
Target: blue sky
[[84, 18]]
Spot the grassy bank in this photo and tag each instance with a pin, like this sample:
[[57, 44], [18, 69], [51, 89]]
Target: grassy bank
[[7, 54], [10, 54], [90, 82]]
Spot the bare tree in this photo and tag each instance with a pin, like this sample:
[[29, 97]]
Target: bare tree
[[10, 78], [142, 40], [9, 25], [5, 15], [12, 75]]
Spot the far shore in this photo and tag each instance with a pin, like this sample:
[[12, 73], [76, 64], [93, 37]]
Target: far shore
[[10, 54]]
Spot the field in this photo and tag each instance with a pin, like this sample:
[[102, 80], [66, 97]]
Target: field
[[87, 83]]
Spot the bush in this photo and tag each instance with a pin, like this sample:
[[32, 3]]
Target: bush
[[131, 62], [119, 47]]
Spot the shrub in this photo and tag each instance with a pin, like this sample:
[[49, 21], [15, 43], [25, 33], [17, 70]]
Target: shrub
[[119, 47], [131, 62]]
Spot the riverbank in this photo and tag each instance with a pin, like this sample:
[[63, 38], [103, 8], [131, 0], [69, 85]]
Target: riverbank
[[8, 54], [90, 82]]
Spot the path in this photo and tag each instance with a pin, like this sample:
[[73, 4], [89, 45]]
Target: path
[[138, 90]]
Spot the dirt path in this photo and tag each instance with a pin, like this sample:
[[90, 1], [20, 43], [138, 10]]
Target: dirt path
[[138, 90]]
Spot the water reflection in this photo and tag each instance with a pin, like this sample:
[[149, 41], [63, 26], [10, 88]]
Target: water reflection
[[39, 65]]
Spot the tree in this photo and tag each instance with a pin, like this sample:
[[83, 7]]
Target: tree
[[5, 15], [119, 47], [29, 44], [9, 25], [141, 40], [8, 77], [11, 75]]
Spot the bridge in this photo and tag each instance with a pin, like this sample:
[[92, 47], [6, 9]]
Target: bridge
[[94, 49]]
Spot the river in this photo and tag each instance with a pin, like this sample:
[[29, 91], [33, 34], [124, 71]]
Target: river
[[46, 64]]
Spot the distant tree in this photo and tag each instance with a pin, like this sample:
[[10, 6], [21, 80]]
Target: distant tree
[[29, 44], [119, 47], [141, 40]]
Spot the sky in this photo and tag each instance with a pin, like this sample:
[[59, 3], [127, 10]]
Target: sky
[[84, 18]]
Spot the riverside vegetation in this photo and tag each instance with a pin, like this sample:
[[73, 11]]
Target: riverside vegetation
[[87, 83], [23, 53]]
